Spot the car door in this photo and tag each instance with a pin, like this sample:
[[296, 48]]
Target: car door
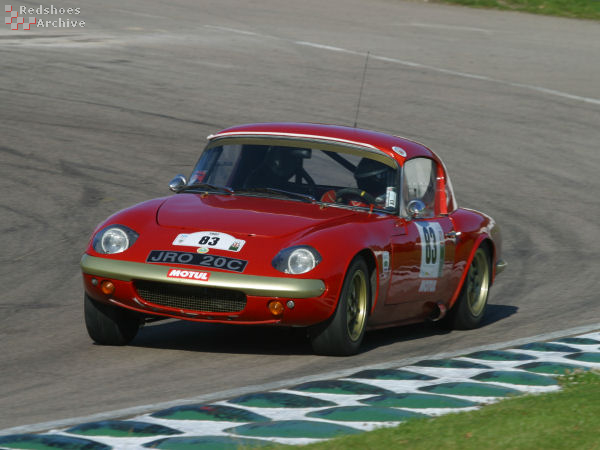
[[422, 257]]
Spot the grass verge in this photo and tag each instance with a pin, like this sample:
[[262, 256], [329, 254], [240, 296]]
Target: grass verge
[[567, 419], [579, 9]]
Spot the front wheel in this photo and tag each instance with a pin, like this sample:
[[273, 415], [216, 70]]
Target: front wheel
[[470, 306], [108, 324], [343, 333]]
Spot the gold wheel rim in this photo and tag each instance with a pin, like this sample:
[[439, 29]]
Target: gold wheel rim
[[478, 283], [356, 305]]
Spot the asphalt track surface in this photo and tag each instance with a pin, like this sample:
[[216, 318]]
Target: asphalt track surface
[[96, 119]]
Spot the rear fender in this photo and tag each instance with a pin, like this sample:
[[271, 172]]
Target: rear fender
[[480, 239]]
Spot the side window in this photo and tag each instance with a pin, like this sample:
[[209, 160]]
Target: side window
[[327, 172], [419, 183]]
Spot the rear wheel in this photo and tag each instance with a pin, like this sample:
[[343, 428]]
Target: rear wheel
[[108, 324], [470, 306], [343, 333]]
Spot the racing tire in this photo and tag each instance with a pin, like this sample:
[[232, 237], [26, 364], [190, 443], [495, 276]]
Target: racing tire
[[110, 325], [343, 333], [469, 309]]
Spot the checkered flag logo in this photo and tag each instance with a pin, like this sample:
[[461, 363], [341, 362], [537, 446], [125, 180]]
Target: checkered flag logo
[[14, 20]]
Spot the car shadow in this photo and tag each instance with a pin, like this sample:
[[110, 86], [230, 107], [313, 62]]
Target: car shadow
[[265, 340], [495, 313], [221, 338], [388, 336]]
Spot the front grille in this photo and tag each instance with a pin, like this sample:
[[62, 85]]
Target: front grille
[[194, 298]]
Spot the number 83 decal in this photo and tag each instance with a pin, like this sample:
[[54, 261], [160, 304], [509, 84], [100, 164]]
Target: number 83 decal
[[210, 239], [432, 249]]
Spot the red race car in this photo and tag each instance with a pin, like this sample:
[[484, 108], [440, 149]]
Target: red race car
[[331, 228]]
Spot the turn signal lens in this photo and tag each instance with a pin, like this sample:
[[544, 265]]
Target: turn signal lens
[[276, 308], [107, 287]]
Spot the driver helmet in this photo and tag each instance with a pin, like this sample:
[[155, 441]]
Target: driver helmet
[[282, 162], [372, 176]]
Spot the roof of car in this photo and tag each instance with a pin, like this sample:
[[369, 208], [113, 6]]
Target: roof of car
[[394, 146]]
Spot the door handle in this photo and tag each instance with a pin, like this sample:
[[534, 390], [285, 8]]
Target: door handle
[[453, 235]]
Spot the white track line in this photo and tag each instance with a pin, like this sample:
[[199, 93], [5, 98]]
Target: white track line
[[206, 398], [531, 87], [449, 27]]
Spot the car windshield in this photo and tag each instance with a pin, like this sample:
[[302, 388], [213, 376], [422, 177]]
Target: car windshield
[[335, 175]]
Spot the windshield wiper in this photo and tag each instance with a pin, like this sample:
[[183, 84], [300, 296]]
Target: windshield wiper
[[269, 190], [207, 187]]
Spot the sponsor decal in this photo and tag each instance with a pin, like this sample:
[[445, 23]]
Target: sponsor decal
[[390, 197], [194, 259], [399, 150], [235, 247], [202, 250], [209, 240], [383, 258], [428, 286], [188, 274]]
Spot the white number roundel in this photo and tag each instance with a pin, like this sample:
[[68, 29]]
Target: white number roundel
[[432, 249]]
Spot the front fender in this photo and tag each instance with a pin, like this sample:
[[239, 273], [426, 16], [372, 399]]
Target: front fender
[[340, 246]]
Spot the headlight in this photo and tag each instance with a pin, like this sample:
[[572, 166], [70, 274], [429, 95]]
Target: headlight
[[114, 239], [297, 260]]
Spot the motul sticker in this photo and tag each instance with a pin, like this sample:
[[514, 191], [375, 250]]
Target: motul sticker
[[188, 274]]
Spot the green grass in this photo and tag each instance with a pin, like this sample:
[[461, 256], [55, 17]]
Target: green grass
[[567, 419], [579, 9]]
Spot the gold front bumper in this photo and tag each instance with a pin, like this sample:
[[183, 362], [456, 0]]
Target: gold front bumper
[[249, 284]]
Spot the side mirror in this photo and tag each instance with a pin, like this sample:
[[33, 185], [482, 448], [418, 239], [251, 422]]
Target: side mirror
[[177, 183], [415, 209]]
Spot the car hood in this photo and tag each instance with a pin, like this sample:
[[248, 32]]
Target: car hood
[[247, 215]]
